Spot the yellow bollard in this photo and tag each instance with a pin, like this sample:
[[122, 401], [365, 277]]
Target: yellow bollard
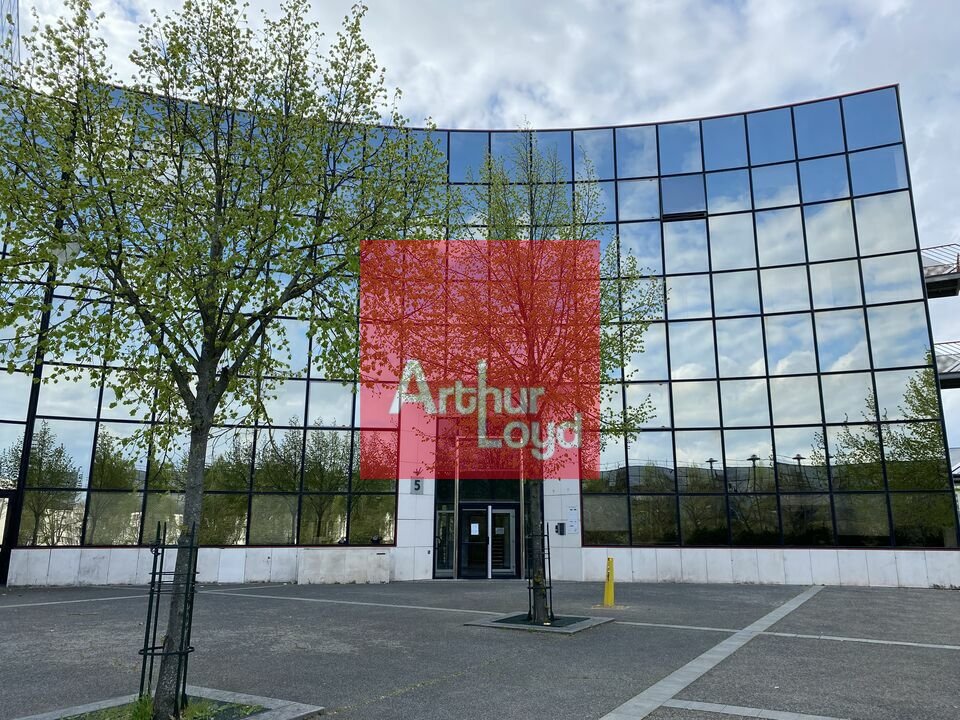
[[608, 585]]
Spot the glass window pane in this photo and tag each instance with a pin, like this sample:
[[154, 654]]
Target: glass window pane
[[163, 508], [11, 446], [688, 296], [915, 456], [605, 520], [651, 362], [819, 130], [682, 194], [824, 179], [862, 520], [555, 145], [468, 150], [74, 395], [775, 185], [771, 136], [60, 454], [907, 395], [593, 152], [924, 520], [898, 335], [636, 151], [835, 284], [223, 520], [703, 520], [650, 457], [685, 246], [749, 454], [848, 398], [656, 396], [330, 404], [878, 170], [744, 404], [796, 400], [735, 293], [323, 519], [801, 465], [15, 391], [854, 453], [785, 289], [294, 353], [680, 148], [229, 456], [780, 237], [728, 191], [885, 223], [740, 347], [842, 341], [829, 231], [286, 404], [608, 206], [754, 520], [120, 458], [699, 461], [638, 200], [277, 460], [731, 242], [51, 517], [871, 118], [642, 241], [790, 347], [505, 147], [695, 404], [654, 519], [327, 461], [691, 350], [372, 519], [376, 461], [613, 472], [724, 142], [806, 520], [114, 518], [891, 278], [273, 520]]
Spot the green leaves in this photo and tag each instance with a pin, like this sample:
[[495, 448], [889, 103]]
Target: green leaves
[[227, 187]]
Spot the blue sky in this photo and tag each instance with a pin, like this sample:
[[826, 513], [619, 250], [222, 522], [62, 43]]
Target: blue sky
[[564, 63]]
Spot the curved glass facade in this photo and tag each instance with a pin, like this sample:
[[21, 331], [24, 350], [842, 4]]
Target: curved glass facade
[[791, 376]]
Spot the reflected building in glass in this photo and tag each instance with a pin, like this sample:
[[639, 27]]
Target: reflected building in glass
[[795, 399]]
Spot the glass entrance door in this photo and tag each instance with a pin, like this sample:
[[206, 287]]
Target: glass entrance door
[[488, 542]]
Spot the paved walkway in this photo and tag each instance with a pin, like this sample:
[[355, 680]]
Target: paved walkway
[[697, 652]]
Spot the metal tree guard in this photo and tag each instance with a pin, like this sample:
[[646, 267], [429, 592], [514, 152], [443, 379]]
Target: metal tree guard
[[548, 575], [163, 583]]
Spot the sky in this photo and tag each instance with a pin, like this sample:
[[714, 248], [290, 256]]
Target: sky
[[570, 63]]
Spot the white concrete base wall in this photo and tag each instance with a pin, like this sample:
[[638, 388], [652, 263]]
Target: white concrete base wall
[[868, 568], [132, 566]]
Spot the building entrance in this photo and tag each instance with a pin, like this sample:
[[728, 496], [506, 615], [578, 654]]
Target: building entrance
[[477, 529], [488, 542]]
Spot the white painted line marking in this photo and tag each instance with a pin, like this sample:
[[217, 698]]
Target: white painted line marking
[[743, 711], [70, 602], [666, 689], [357, 602], [871, 641], [677, 627]]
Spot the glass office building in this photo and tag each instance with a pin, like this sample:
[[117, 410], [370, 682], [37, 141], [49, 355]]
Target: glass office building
[[795, 399]]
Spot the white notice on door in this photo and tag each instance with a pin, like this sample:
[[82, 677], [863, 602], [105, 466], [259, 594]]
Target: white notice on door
[[573, 520], [474, 528]]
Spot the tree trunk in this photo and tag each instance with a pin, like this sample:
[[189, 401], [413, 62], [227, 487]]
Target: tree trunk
[[165, 695], [536, 566]]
